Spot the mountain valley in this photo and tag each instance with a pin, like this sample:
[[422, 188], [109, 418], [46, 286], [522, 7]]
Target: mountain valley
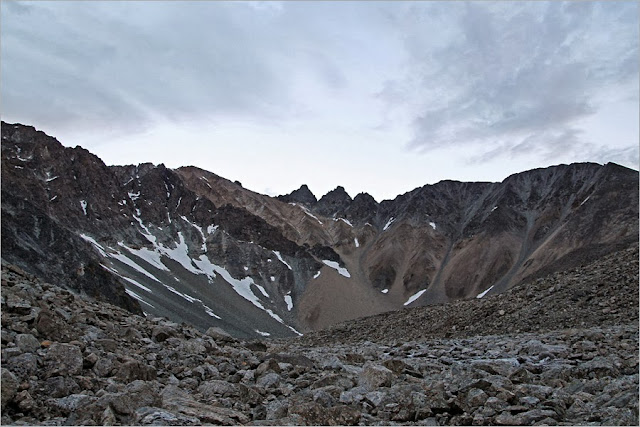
[[191, 246]]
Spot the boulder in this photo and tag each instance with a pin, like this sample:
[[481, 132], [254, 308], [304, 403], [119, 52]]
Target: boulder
[[63, 359], [8, 386], [374, 376]]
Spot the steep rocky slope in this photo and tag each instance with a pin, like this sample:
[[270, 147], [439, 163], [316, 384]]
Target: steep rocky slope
[[67, 360], [195, 247], [597, 294]]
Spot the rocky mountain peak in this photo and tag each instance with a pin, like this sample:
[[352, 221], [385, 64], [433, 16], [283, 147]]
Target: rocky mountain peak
[[334, 203], [301, 195]]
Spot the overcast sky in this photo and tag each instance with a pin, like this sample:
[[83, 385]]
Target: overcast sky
[[381, 97]]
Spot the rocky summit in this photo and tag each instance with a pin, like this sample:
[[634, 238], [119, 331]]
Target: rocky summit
[[569, 357], [194, 247]]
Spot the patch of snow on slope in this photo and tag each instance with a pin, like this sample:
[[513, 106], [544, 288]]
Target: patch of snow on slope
[[388, 224], [243, 288], [210, 312], [150, 237], [282, 260], [494, 208], [211, 229], [197, 227], [123, 259], [95, 244], [51, 179], [180, 254], [273, 279], [135, 283], [346, 221], [83, 203], [481, 294], [134, 196], [433, 225], [307, 212], [264, 292], [585, 200], [341, 270], [316, 275], [138, 297], [205, 265], [355, 241], [152, 257], [264, 334], [288, 300], [415, 297], [185, 296], [384, 291]]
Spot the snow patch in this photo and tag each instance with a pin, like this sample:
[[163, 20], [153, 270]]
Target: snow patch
[[83, 204], [53, 198], [264, 334], [355, 241], [289, 301], [282, 260], [51, 179], [185, 296], [210, 312], [147, 234], [123, 259], [494, 208], [307, 212], [138, 297], [135, 283], [180, 254], [197, 227], [211, 229], [388, 224], [346, 221], [341, 270], [273, 279], [95, 244], [134, 196], [415, 297], [152, 257], [384, 291], [316, 275], [481, 294], [433, 225], [585, 200], [205, 265]]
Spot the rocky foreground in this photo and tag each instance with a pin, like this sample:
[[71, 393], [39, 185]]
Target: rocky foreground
[[508, 361]]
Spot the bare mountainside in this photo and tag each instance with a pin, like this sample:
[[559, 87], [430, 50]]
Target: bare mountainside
[[192, 246]]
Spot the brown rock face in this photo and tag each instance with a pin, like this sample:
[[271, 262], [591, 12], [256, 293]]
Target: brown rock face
[[195, 247]]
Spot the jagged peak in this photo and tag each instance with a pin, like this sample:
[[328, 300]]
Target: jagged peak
[[337, 193], [301, 195]]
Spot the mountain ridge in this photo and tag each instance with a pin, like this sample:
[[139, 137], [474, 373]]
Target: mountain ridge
[[193, 246]]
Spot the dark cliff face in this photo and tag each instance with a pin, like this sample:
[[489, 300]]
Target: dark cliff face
[[48, 192], [196, 247]]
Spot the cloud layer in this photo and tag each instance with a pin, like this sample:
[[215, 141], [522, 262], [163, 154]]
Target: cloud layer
[[515, 79], [459, 83]]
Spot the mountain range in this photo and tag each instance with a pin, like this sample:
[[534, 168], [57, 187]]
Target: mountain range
[[194, 247]]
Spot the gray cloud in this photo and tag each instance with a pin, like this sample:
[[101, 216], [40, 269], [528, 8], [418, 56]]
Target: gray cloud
[[130, 63], [510, 79], [513, 78]]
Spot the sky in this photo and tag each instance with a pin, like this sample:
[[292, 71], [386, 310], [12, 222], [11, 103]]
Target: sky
[[378, 97]]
